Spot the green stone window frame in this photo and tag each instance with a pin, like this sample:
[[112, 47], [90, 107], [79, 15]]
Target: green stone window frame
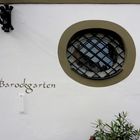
[[70, 1], [128, 44]]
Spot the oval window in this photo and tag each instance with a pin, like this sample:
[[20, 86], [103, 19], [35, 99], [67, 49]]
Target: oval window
[[97, 53]]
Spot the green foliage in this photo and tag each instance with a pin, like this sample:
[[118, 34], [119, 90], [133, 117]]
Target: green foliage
[[118, 129]]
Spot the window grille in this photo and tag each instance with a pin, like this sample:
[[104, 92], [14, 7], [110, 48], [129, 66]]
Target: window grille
[[96, 53]]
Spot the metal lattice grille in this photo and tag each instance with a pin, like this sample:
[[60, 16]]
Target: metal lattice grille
[[96, 54]]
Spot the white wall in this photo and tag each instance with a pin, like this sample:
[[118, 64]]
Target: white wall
[[66, 112]]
